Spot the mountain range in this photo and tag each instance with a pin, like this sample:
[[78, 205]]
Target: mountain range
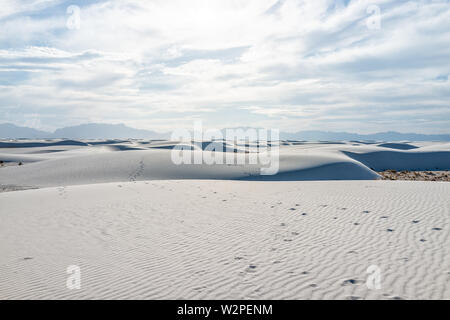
[[121, 131], [83, 131]]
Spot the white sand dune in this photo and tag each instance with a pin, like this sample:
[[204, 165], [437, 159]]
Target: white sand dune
[[141, 227], [157, 165], [383, 160], [41, 143], [216, 240], [90, 162], [399, 146]]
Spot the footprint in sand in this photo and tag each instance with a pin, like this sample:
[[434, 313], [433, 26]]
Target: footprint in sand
[[62, 192], [251, 268], [199, 289], [351, 282]]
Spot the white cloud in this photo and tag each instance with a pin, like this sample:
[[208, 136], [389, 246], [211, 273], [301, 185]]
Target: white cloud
[[291, 64]]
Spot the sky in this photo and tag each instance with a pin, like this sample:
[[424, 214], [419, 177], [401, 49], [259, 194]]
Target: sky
[[293, 65]]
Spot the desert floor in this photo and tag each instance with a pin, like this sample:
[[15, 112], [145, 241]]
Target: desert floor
[[139, 227]]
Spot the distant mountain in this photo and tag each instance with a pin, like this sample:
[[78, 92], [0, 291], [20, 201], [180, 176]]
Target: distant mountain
[[84, 131], [345, 136], [11, 131], [396, 136], [121, 131], [106, 131]]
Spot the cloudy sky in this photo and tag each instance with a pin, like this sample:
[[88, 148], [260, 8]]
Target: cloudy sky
[[359, 66]]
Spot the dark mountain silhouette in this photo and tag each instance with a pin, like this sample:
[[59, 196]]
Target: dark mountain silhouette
[[345, 136], [84, 131], [105, 131], [11, 131], [121, 131]]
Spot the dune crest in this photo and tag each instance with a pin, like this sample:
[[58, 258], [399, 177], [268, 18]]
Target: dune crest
[[64, 163]]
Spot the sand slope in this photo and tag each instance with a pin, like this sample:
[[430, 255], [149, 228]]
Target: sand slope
[[227, 240], [62, 163]]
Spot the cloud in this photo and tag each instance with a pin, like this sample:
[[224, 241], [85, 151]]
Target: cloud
[[289, 64]]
